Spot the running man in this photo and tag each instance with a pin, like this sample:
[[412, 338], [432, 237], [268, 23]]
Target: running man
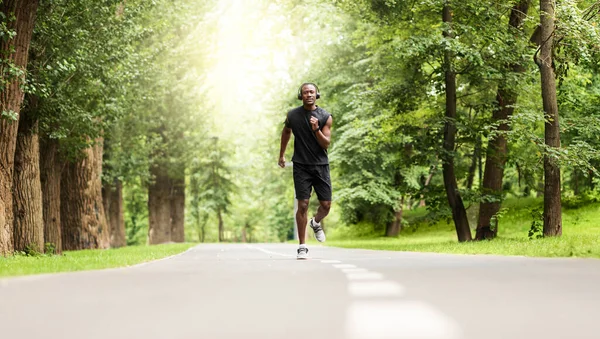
[[311, 126]]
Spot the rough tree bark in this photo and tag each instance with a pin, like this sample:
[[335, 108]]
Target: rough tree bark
[[178, 208], [112, 196], [497, 146], [11, 97], [27, 191], [552, 202], [50, 171], [459, 214], [82, 212], [159, 206]]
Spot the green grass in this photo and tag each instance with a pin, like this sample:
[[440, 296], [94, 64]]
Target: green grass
[[581, 234], [87, 259]]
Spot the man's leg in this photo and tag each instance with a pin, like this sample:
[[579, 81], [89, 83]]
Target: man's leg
[[301, 220], [322, 184], [323, 210]]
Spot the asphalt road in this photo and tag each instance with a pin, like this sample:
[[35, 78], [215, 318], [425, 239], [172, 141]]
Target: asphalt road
[[261, 291]]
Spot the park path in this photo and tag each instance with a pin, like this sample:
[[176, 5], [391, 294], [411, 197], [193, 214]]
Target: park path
[[261, 291]]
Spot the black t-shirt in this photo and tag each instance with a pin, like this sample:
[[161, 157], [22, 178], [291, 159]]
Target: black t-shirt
[[307, 150]]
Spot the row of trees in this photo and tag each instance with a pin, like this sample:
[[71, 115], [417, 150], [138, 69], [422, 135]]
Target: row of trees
[[121, 121], [127, 121], [97, 96], [431, 93]]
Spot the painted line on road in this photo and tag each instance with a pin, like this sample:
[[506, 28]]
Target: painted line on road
[[354, 270], [369, 318], [398, 320], [364, 276], [367, 289], [270, 252], [344, 266], [158, 260]]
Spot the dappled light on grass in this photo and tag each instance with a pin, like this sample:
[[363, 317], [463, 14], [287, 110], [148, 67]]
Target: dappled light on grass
[[580, 237], [575, 246]]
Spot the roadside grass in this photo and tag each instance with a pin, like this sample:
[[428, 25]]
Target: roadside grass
[[71, 261], [581, 234]]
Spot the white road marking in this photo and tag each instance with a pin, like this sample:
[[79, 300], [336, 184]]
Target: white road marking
[[270, 252], [387, 319], [364, 276], [398, 320], [354, 270], [344, 266], [365, 289], [159, 260]]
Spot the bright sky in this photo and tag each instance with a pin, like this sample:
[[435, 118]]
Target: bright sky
[[251, 56]]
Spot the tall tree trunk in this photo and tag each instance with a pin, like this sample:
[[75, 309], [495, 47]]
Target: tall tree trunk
[[27, 195], [497, 146], [552, 203], [393, 228], [221, 226], [178, 208], [50, 171], [159, 206], [82, 212], [459, 214], [112, 195], [16, 51]]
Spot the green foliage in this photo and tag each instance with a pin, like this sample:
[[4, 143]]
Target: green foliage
[[50, 248], [158, 81], [579, 239], [31, 251], [136, 213], [212, 176], [9, 115], [536, 231], [581, 200]]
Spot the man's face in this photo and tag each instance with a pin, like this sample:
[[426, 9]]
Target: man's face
[[309, 94]]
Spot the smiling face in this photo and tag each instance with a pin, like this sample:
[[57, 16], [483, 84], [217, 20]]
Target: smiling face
[[309, 94]]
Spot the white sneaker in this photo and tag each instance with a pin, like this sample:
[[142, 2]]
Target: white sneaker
[[302, 253], [319, 234]]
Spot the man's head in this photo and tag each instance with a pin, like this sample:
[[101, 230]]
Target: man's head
[[308, 93]]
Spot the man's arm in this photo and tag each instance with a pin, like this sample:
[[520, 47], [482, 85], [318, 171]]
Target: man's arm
[[324, 135], [286, 134]]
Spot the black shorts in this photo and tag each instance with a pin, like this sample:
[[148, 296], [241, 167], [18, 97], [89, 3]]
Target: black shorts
[[308, 176]]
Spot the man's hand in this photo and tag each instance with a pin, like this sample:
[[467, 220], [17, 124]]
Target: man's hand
[[314, 123], [282, 162]]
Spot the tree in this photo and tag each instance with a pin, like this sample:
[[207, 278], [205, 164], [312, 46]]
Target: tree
[[82, 213], [552, 186], [18, 21], [497, 150], [459, 213], [27, 196], [211, 174]]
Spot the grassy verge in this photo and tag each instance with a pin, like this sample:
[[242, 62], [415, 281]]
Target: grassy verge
[[87, 260], [581, 234]]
